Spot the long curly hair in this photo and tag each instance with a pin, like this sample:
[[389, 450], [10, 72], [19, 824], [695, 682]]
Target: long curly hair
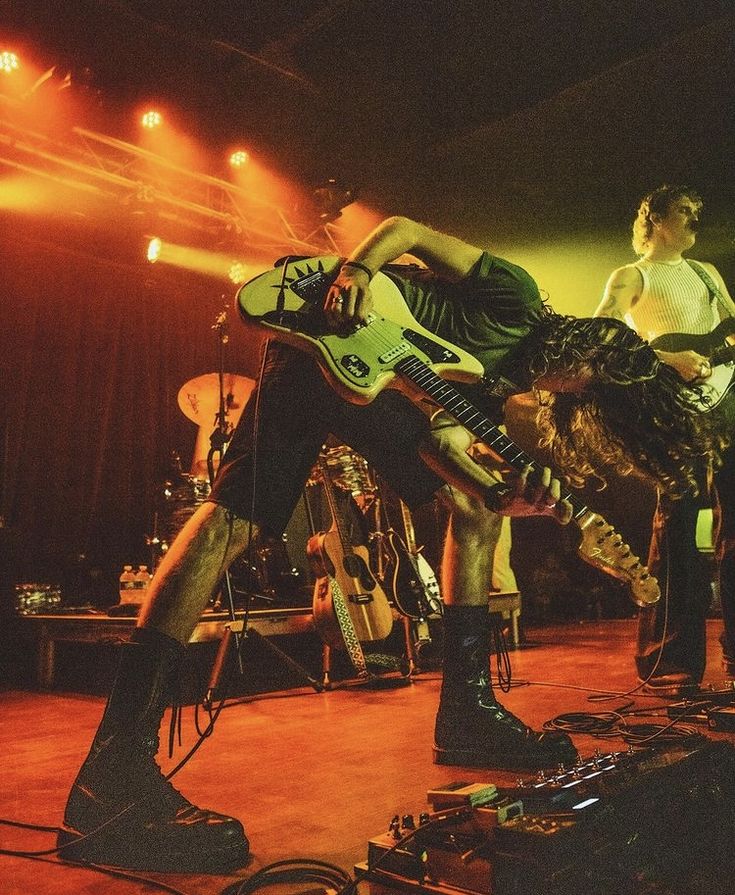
[[635, 414]]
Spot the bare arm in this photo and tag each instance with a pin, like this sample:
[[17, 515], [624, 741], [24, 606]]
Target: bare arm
[[443, 253], [622, 291]]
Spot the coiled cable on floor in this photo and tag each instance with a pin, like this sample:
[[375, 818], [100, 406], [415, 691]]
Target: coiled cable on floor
[[295, 870]]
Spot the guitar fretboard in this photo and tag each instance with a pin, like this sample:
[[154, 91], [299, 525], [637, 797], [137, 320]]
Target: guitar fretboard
[[447, 397]]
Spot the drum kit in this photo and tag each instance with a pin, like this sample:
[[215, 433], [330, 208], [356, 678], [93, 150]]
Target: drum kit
[[279, 572]]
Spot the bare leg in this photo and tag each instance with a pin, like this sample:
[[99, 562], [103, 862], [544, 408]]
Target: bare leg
[[146, 824], [469, 548], [472, 728], [191, 571], [473, 530]]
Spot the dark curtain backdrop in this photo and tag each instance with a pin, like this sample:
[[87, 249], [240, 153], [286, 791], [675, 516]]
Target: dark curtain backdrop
[[94, 352]]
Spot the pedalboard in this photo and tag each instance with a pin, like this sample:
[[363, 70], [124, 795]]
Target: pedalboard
[[588, 828]]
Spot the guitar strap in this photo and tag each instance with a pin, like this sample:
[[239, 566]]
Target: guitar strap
[[349, 635], [726, 305]]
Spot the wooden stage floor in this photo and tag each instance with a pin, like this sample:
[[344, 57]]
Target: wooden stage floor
[[312, 775]]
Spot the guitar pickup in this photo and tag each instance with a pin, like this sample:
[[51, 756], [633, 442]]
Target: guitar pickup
[[355, 365], [398, 351], [360, 599]]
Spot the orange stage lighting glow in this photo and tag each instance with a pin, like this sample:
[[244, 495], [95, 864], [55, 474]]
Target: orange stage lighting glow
[[9, 62], [151, 119], [239, 158], [212, 264]]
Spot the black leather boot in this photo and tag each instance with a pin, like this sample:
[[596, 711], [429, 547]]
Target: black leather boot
[[133, 817], [472, 728]]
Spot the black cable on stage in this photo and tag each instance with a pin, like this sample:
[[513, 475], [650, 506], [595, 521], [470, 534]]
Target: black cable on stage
[[300, 870], [503, 667], [294, 870]]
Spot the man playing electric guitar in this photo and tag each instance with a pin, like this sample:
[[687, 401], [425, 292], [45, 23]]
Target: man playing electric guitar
[[659, 295], [601, 381]]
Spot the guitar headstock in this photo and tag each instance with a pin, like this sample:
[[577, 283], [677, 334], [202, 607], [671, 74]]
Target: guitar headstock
[[604, 548]]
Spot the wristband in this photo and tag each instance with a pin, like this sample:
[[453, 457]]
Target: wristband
[[360, 266]]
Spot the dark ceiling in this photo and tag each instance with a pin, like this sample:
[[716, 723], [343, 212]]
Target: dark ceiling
[[344, 88]]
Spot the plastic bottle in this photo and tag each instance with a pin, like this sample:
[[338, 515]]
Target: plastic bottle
[[127, 585], [141, 584]]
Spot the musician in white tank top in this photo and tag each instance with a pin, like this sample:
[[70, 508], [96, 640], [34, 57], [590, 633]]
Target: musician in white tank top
[[673, 299], [658, 294], [661, 292]]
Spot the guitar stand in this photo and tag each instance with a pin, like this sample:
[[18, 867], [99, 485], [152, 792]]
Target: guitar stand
[[252, 634]]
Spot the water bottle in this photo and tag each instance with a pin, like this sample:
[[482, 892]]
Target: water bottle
[[141, 584], [127, 585]]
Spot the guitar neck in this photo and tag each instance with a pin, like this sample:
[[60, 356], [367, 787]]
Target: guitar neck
[[446, 396], [333, 508], [408, 529], [725, 354]]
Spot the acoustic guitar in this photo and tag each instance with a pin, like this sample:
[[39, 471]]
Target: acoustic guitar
[[348, 601], [715, 347], [394, 350]]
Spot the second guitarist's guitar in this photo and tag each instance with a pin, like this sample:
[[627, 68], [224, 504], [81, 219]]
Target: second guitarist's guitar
[[393, 349], [715, 347]]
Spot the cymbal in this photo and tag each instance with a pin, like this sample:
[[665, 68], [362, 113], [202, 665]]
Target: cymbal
[[199, 398]]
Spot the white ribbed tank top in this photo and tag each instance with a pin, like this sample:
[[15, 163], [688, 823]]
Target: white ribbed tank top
[[673, 300]]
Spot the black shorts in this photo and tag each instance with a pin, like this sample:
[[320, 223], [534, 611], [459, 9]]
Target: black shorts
[[297, 409]]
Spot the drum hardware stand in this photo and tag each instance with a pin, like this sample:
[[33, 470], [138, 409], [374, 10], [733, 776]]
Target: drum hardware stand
[[238, 629]]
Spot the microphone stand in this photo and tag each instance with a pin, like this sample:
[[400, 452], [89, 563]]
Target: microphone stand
[[218, 441]]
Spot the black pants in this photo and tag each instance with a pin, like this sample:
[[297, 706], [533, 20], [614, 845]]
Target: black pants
[[678, 632]]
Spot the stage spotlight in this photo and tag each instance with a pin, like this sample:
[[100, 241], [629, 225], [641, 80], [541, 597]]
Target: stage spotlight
[[154, 250], [239, 159], [9, 62], [238, 272], [151, 119]]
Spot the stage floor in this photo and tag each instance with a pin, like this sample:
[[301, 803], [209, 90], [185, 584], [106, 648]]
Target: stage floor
[[312, 775]]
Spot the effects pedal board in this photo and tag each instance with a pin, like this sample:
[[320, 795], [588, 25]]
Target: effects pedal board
[[556, 828]]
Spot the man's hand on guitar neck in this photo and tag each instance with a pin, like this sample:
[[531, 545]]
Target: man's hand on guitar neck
[[348, 301], [532, 492]]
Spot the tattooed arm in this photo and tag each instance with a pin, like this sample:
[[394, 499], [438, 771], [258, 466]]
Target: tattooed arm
[[622, 291]]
